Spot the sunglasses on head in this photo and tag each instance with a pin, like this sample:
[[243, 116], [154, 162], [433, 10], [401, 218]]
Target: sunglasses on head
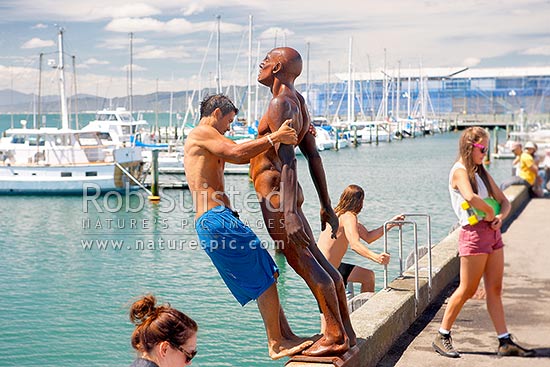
[[481, 147]]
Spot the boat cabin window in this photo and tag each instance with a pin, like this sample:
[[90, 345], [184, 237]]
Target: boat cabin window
[[18, 139], [35, 140], [62, 140], [88, 139], [126, 130], [105, 136], [91, 174], [66, 174], [126, 117], [112, 117]]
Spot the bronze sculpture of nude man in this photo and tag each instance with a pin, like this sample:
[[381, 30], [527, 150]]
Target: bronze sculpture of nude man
[[274, 171]]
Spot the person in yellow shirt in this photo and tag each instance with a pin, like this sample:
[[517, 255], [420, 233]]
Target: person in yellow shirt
[[528, 168]]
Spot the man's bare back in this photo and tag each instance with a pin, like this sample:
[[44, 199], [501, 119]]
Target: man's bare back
[[204, 171], [205, 152]]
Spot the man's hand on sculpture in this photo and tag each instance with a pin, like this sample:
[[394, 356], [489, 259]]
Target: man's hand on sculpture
[[329, 216], [295, 230], [286, 133]]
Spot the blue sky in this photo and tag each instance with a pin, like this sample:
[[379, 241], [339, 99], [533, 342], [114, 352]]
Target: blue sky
[[171, 38]]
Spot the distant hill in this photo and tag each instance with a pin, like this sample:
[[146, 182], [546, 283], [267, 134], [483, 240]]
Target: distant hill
[[10, 97], [16, 102]]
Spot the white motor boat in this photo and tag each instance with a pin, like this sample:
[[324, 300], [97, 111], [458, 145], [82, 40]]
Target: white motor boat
[[63, 161]]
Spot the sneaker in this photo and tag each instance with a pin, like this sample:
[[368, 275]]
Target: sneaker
[[507, 347], [443, 344]]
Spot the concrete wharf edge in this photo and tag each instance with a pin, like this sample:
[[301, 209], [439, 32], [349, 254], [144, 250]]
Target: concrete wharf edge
[[389, 313]]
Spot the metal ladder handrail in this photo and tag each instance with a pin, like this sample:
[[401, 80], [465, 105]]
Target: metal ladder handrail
[[400, 223], [429, 237]]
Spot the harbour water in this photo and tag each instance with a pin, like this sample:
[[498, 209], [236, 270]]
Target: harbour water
[[65, 299]]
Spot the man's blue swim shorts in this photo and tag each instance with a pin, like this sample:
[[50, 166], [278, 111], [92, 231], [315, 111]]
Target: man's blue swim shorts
[[243, 263]]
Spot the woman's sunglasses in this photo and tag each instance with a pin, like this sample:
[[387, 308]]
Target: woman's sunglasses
[[481, 147], [188, 355]]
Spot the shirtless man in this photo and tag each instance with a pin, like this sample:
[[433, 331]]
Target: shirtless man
[[245, 266], [350, 233], [274, 171]]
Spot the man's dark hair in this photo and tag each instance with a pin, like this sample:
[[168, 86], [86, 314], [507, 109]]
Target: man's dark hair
[[210, 103]]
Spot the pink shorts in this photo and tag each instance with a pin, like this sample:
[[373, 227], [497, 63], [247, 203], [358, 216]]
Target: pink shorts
[[478, 239]]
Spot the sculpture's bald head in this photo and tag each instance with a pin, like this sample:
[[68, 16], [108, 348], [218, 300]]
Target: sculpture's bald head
[[290, 59], [283, 63]]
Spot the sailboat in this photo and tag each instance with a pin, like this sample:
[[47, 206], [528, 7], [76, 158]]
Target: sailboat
[[64, 161], [365, 131], [118, 129]]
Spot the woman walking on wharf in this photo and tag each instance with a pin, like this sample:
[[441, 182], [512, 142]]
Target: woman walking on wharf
[[480, 245]]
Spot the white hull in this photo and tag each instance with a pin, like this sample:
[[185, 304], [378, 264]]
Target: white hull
[[368, 135], [166, 160], [56, 180]]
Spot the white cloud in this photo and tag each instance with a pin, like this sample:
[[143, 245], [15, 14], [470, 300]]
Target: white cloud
[[25, 76], [153, 52], [120, 43], [133, 25], [78, 11], [173, 26], [273, 32], [134, 68], [130, 10], [471, 61], [39, 26], [193, 8], [540, 50], [37, 43], [94, 61]]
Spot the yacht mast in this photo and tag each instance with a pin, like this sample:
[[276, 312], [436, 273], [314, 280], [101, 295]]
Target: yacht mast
[[75, 94], [350, 91], [249, 93], [39, 90], [218, 58], [308, 103], [409, 94], [61, 68], [257, 90], [397, 104], [385, 97], [171, 103], [130, 74]]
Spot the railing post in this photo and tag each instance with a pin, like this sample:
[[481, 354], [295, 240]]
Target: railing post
[[429, 237], [154, 197], [416, 254]]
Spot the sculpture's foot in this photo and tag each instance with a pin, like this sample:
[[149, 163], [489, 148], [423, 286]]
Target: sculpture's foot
[[352, 338], [327, 347], [287, 348], [299, 340]]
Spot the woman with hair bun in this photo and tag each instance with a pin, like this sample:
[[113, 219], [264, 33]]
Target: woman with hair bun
[[164, 336]]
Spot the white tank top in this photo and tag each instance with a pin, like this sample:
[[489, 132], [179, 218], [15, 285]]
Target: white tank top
[[456, 197]]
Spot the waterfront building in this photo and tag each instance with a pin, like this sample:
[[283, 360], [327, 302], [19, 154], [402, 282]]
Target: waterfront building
[[452, 93]]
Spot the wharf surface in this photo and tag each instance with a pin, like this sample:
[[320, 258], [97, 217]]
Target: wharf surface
[[463, 124], [391, 333], [168, 181], [173, 177]]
